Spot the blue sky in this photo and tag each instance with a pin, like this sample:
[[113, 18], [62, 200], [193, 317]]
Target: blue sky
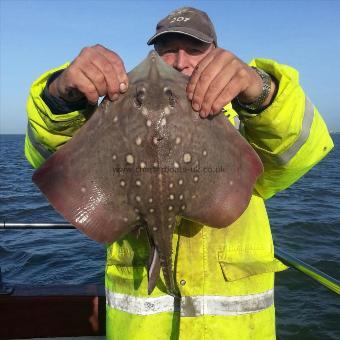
[[38, 35]]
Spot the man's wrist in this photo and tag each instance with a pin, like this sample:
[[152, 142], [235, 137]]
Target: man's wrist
[[258, 103], [244, 110]]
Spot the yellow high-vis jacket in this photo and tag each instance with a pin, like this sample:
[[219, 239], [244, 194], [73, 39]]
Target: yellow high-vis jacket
[[225, 276]]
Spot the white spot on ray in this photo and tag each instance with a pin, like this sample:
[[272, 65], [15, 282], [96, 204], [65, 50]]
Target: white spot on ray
[[138, 182], [125, 219], [170, 207], [163, 122], [155, 229], [145, 111], [178, 140], [138, 140], [171, 185], [176, 165], [195, 178], [180, 182], [122, 183], [187, 158], [148, 123], [169, 226], [155, 140], [114, 157], [115, 119], [129, 159], [155, 165], [204, 152], [180, 197], [231, 183], [138, 199], [150, 200], [142, 165], [151, 210], [171, 197], [83, 189], [183, 207]]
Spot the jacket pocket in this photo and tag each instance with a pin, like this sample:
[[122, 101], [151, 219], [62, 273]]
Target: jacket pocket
[[235, 269]]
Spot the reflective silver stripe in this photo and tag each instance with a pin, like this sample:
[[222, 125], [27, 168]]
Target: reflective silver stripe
[[191, 305], [226, 305], [44, 152], [140, 305], [308, 116]]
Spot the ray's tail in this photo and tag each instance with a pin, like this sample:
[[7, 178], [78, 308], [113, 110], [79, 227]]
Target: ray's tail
[[153, 269], [157, 260]]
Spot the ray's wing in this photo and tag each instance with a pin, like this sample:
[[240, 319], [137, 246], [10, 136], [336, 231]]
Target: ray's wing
[[85, 182], [218, 168]]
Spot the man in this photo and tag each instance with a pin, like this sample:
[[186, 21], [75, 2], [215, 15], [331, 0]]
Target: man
[[225, 276]]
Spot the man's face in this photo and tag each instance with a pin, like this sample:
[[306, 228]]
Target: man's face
[[182, 52]]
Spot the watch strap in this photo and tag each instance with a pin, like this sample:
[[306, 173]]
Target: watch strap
[[266, 87]]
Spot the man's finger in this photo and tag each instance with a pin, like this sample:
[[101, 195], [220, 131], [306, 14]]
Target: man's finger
[[234, 87], [86, 86], [107, 73], [214, 89], [96, 76], [197, 73], [117, 64]]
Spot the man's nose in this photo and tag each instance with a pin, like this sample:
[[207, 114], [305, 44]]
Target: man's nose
[[181, 60]]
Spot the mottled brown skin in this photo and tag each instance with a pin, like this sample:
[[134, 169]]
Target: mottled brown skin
[[145, 159]]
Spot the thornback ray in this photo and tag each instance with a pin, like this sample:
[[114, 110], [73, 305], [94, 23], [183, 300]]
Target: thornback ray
[[147, 158]]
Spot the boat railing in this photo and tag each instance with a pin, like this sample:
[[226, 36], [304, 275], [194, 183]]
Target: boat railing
[[291, 261]]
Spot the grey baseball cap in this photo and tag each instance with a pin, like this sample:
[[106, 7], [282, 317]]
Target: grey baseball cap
[[188, 21]]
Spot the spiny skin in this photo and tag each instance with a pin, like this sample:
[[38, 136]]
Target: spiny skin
[[147, 158]]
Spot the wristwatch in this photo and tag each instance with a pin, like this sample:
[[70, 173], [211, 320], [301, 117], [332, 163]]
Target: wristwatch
[[266, 86]]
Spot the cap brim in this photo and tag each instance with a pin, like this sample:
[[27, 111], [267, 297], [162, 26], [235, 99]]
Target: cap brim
[[185, 31]]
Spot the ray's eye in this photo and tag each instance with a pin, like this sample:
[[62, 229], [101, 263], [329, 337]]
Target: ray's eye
[[139, 97], [172, 99]]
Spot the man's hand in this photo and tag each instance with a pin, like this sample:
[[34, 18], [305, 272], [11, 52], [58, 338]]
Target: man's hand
[[219, 78], [96, 72]]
